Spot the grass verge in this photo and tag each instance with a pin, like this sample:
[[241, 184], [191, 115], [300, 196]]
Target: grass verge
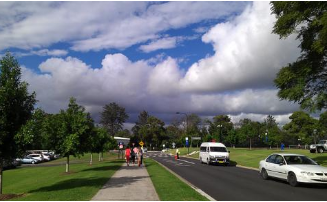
[[51, 183], [168, 186]]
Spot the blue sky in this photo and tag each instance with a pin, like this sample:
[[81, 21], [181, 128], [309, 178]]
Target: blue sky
[[207, 58]]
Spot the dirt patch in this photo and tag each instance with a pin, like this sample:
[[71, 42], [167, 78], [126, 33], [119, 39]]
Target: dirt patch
[[4, 197]]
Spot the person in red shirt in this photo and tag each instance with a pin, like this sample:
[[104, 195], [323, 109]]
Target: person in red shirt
[[127, 154]]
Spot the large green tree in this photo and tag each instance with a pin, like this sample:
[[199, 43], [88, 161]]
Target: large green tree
[[305, 80], [301, 127], [16, 106], [113, 117], [71, 131]]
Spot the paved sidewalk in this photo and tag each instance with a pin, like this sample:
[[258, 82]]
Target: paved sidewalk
[[129, 183]]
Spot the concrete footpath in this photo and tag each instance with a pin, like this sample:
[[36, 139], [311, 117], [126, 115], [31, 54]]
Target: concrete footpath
[[129, 183]]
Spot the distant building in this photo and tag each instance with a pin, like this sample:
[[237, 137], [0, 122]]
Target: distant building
[[124, 140]]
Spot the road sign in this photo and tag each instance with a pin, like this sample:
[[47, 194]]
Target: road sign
[[187, 143], [196, 138], [186, 138], [141, 144]]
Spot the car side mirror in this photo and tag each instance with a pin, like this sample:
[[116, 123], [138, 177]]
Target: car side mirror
[[281, 164]]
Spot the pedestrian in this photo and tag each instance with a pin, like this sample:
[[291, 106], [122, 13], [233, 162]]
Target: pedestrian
[[133, 153], [141, 151], [127, 154], [138, 155], [177, 153]]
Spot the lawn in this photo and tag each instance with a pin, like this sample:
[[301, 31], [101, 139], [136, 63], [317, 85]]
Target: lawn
[[168, 186], [49, 182], [251, 158]]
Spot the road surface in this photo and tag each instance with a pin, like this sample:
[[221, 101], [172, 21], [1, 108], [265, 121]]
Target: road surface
[[231, 183]]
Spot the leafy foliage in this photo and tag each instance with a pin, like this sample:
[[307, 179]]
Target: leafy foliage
[[113, 118], [16, 106], [305, 80]]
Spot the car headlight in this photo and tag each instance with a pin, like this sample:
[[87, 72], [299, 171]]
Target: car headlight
[[307, 173]]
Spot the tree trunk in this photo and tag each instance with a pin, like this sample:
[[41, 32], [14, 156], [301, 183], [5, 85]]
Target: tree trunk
[[67, 164], [91, 160], [1, 179], [250, 144]]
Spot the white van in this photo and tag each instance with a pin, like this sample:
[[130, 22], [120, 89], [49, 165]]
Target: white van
[[212, 152]]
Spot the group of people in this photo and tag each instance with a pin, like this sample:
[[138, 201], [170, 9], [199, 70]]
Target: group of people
[[134, 154]]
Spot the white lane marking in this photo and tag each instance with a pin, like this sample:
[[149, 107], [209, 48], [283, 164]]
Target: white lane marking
[[186, 161]]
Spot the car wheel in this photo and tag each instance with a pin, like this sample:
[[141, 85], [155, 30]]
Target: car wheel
[[264, 174], [320, 150], [292, 180], [312, 151], [33, 162], [208, 162]]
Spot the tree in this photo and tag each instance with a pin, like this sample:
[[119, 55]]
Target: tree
[[301, 127], [113, 118], [71, 131], [32, 134], [305, 80], [16, 106], [220, 126], [140, 125], [100, 141], [249, 130]]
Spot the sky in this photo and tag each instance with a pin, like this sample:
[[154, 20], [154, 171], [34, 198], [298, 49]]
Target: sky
[[208, 58]]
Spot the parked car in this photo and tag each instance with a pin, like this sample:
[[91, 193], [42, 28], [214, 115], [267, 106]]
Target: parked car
[[27, 160], [145, 149], [212, 152], [320, 147], [294, 168], [37, 157], [46, 156], [11, 164]]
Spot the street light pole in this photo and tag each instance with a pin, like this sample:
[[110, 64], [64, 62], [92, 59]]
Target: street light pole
[[188, 148], [220, 126]]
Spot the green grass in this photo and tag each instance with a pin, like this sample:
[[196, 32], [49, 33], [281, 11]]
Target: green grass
[[251, 158], [168, 186], [50, 182]]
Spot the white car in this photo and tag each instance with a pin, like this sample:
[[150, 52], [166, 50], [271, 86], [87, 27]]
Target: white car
[[294, 168], [37, 157]]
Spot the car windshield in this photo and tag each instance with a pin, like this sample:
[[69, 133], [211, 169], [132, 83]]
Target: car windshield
[[299, 160], [321, 142], [218, 149]]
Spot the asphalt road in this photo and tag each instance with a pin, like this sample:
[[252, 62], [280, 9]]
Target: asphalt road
[[231, 183]]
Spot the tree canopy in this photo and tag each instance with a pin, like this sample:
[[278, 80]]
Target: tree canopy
[[305, 80], [113, 117], [16, 106]]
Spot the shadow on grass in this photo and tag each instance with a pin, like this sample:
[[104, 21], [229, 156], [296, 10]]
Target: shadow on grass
[[72, 184], [102, 168]]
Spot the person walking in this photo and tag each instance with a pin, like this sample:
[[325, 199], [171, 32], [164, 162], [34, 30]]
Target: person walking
[[141, 150], [133, 153], [138, 155], [127, 154], [177, 153]]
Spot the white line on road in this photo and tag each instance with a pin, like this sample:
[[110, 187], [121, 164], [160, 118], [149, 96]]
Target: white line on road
[[187, 161]]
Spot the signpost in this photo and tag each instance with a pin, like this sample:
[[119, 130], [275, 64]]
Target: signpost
[[188, 148]]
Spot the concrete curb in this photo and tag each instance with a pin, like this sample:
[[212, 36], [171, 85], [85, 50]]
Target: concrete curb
[[188, 183]]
